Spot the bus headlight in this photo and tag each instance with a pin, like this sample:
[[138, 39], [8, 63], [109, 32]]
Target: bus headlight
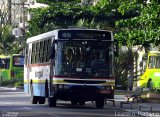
[[103, 88], [108, 88], [60, 86], [66, 87]]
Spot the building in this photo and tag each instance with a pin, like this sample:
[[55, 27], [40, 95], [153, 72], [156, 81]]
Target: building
[[20, 14], [17, 13]]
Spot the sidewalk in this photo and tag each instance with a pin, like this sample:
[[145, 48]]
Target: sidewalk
[[146, 109]]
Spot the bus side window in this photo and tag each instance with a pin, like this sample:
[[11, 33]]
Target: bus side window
[[45, 51], [151, 62], [1, 65], [48, 49], [41, 52], [7, 64], [52, 52], [37, 52], [33, 53]]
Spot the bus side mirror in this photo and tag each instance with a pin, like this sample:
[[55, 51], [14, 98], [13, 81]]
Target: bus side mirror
[[116, 49]]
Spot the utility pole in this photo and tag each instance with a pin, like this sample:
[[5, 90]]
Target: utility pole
[[22, 29], [9, 11], [23, 17]]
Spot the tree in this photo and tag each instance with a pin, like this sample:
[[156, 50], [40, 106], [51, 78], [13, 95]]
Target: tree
[[143, 29], [8, 44], [63, 14]]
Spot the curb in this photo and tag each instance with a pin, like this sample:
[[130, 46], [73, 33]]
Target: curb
[[13, 88]]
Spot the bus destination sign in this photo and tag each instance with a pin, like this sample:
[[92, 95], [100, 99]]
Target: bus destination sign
[[84, 34]]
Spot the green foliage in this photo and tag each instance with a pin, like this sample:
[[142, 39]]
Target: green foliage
[[121, 68], [142, 29], [65, 14], [59, 15], [12, 82], [156, 91], [8, 43]]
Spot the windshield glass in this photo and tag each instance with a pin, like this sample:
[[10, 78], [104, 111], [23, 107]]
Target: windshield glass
[[4, 63], [83, 59], [154, 62]]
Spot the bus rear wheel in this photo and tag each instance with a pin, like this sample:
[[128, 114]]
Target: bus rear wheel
[[81, 102], [100, 103], [34, 99], [52, 102], [74, 102]]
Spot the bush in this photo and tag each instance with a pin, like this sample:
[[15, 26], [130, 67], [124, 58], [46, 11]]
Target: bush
[[156, 91], [12, 82], [18, 84]]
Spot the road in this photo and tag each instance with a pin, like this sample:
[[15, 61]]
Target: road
[[15, 103]]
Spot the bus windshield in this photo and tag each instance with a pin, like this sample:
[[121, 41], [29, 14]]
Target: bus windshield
[[18, 61], [84, 59], [154, 62], [4, 63]]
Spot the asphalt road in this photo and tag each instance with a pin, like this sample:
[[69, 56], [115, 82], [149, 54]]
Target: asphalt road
[[15, 103]]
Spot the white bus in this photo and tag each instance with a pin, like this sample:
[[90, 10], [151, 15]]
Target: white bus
[[71, 64]]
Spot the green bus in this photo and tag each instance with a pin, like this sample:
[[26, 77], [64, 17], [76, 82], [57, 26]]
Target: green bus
[[11, 66], [151, 68]]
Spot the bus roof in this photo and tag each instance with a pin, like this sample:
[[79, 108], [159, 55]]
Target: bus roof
[[54, 33], [7, 56], [154, 52], [4, 56], [41, 36]]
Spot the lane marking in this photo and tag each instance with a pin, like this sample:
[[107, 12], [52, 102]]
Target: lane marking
[[27, 108]]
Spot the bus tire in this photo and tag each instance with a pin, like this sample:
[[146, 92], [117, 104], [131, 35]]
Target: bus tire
[[34, 99], [111, 96], [46, 89], [41, 100], [52, 102], [74, 102], [100, 103], [81, 102]]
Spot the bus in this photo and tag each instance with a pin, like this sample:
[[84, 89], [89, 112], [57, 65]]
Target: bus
[[58, 66], [11, 66], [151, 68]]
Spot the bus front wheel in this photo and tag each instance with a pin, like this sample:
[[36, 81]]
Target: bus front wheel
[[51, 102], [100, 103], [41, 100]]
